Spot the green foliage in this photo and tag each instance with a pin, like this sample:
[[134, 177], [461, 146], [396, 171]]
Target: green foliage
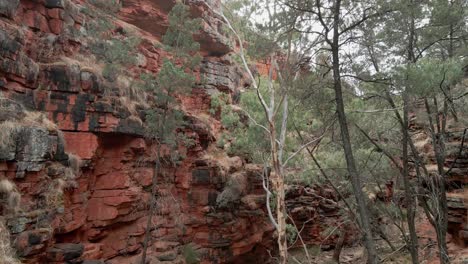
[[229, 119], [111, 72], [260, 37], [390, 210], [172, 77], [219, 104], [428, 76], [291, 233], [273, 201], [110, 6], [179, 35], [314, 250], [218, 101], [426, 61], [98, 27], [221, 142], [115, 50], [166, 119], [247, 140], [191, 256], [120, 51]]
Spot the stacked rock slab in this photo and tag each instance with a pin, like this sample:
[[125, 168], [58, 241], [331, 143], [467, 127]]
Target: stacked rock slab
[[456, 165]]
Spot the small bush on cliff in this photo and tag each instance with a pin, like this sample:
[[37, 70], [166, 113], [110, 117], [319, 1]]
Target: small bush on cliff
[[165, 120], [74, 163], [7, 131], [219, 104], [246, 139], [115, 53], [116, 48], [109, 6], [175, 76], [291, 233], [191, 256], [9, 197], [38, 119]]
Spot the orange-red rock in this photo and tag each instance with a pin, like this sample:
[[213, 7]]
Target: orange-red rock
[[82, 144]]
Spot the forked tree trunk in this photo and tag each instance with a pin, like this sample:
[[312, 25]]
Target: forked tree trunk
[[409, 197], [348, 151]]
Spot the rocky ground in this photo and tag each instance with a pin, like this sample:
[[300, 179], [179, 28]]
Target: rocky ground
[[355, 254]]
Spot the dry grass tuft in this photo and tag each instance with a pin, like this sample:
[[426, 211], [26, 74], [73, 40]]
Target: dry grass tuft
[[54, 195], [136, 118], [86, 63], [8, 129], [129, 104], [75, 163], [38, 119], [10, 194], [7, 254], [130, 89], [7, 186]]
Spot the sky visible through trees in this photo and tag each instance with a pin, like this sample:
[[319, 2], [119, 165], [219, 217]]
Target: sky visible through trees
[[386, 74]]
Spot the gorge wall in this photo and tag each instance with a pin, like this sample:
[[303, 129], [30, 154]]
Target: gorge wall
[[456, 167], [73, 145]]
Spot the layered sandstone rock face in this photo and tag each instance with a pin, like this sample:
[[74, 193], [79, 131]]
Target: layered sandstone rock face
[[318, 214], [456, 166], [84, 168]]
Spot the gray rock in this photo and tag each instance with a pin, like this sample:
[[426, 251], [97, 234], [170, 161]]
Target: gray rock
[[168, 256], [65, 251], [10, 110], [8, 7], [18, 224], [201, 176], [8, 148], [8, 45], [23, 166], [218, 76], [131, 127], [34, 145], [224, 76], [66, 78], [228, 197], [23, 67], [455, 203], [54, 4]]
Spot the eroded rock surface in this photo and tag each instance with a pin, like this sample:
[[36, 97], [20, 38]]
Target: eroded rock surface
[[456, 165]]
